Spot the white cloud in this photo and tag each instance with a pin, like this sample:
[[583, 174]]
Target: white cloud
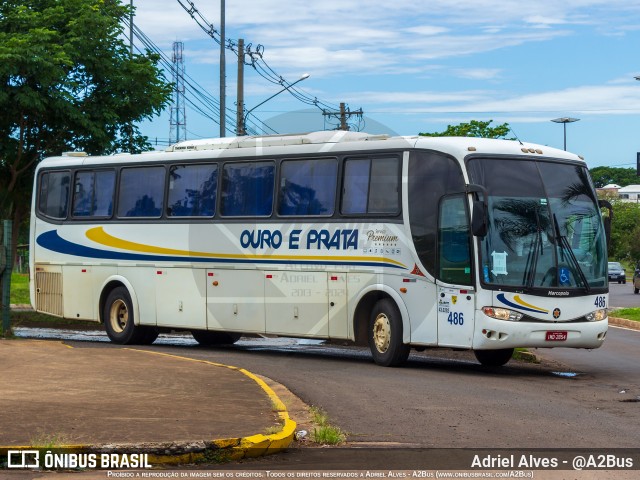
[[478, 73], [343, 36], [587, 100]]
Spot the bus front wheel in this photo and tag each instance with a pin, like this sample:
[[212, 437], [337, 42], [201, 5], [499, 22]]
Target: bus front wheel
[[119, 320], [385, 335], [494, 358], [206, 337]]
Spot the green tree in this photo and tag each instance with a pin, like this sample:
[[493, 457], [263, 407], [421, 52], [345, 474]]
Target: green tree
[[67, 82], [625, 231], [475, 128], [621, 176]]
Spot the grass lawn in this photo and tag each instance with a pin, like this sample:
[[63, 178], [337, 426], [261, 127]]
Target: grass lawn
[[19, 288], [628, 313]]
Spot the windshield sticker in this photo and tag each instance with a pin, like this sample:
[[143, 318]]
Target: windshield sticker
[[499, 263], [543, 201], [564, 276]]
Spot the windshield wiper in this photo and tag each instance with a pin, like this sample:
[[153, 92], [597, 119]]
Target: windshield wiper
[[537, 251], [564, 245]]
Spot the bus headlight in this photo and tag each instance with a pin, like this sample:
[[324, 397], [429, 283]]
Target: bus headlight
[[502, 314], [597, 315]]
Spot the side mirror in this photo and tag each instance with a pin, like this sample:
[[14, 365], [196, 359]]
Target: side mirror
[[479, 216], [479, 219]]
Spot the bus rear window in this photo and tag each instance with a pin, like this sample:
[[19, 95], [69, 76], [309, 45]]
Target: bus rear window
[[54, 194]]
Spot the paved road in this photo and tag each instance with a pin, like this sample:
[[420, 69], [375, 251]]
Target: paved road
[[616, 363], [621, 295], [445, 399], [575, 398]]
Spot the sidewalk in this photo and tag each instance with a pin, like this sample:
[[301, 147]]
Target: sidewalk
[[108, 398]]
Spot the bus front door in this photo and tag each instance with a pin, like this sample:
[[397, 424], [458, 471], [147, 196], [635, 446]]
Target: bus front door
[[455, 317]]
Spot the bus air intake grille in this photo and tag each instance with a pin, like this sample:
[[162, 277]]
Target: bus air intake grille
[[49, 293]]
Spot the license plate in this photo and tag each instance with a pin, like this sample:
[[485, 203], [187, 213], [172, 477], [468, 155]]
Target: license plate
[[556, 336]]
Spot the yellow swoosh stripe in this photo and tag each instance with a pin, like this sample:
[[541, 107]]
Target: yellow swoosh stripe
[[525, 304], [98, 235]]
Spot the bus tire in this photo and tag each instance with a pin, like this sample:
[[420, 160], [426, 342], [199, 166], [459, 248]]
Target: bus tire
[[385, 334], [149, 335], [207, 337], [119, 318], [494, 358]]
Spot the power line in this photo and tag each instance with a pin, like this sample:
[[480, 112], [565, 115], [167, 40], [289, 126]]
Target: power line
[[256, 56], [195, 95]]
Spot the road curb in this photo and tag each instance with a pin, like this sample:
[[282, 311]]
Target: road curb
[[623, 322], [211, 451]]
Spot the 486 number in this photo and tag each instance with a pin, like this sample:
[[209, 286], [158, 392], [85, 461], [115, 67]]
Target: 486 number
[[456, 318]]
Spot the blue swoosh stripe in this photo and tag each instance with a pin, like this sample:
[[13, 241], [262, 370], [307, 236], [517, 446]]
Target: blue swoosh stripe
[[51, 240], [502, 298]]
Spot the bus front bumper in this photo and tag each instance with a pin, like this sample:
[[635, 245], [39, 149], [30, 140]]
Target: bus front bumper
[[492, 334]]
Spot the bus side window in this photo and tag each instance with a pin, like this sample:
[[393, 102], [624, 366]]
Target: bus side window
[[192, 190], [141, 192], [54, 194], [384, 190], [356, 186], [308, 187], [93, 193], [371, 185], [454, 242], [247, 189]]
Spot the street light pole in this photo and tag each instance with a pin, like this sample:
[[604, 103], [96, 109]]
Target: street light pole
[[242, 128], [564, 121]]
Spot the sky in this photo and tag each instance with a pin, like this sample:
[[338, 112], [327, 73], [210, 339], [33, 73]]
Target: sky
[[419, 66]]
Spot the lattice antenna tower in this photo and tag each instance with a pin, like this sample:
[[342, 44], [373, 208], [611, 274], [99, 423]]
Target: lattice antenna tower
[[178, 120]]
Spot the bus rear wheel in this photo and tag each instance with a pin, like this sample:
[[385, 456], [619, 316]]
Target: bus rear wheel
[[119, 320], [494, 358], [385, 335], [206, 337], [149, 336]]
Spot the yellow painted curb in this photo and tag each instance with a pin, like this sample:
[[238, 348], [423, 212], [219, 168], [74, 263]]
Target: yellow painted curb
[[252, 446], [218, 449]]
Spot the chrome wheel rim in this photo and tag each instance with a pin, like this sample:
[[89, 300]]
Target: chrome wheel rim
[[118, 316], [382, 333]]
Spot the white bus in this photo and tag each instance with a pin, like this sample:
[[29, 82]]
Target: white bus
[[394, 242]]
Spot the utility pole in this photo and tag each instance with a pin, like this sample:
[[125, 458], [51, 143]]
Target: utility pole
[[223, 107], [343, 115], [130, 58], [343, 118], [240, 126]]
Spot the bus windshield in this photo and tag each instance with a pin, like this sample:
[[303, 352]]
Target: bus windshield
[[544, 226]]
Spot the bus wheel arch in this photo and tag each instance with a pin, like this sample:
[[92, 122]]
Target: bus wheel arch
[[119, 313], [388, 334], [110, 285], [364, 306], [385, 334]]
